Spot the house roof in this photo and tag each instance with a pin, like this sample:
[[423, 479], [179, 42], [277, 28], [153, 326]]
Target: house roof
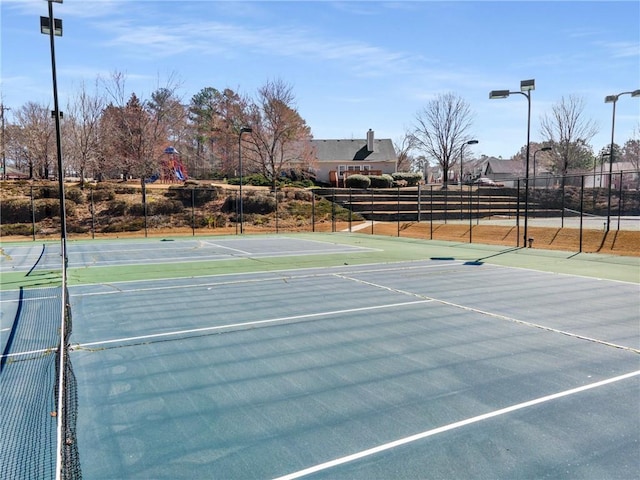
[[504, 166], [348, 150]]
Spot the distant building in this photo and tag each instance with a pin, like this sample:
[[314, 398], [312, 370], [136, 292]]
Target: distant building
[[337, 159], [503, 171]]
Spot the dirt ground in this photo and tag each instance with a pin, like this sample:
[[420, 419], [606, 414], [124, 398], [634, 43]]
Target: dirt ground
[[623, 242]]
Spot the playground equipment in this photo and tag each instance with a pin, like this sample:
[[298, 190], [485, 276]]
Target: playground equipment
[[172, 169]]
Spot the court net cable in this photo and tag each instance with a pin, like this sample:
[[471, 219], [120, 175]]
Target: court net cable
[[67, 458]]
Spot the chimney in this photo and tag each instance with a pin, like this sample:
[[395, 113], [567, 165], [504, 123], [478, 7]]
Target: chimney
[[370, 140]]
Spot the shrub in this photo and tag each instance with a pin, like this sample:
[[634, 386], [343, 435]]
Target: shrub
[[116, 208], [75, 194], [256, 179], [155, 206], [16, 210], [200, 195], [103, 193], [17, 229], [259, 204], [46, 208], [412, 178], [46, 191], [381, 181], [125, 225], [357, 181]]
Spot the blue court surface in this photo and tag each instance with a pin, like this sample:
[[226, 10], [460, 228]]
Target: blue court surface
[[314, 357]]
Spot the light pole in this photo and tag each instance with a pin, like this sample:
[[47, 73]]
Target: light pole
[[53, 27], [526, 86], [543, 149], [242, 130], [470, 142], [4, 158], [614, 99]]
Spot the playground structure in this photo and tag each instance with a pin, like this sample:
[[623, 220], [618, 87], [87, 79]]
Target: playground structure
[[172, 170]]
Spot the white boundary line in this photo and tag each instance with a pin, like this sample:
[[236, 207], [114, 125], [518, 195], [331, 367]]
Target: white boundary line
[[451, 426], [245, 324], [275, 275]]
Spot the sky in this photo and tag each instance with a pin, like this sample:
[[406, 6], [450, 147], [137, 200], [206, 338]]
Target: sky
[[352, 65]]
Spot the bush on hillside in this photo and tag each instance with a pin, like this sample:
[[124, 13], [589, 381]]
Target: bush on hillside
[[381, 181], [357, 181], [412, 178]]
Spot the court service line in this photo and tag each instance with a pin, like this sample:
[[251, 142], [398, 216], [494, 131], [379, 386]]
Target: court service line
[[213, 244], [246, 324], [276, 275], [498, 316], [419, 436]]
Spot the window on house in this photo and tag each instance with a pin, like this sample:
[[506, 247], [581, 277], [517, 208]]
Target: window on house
[[352, 168]]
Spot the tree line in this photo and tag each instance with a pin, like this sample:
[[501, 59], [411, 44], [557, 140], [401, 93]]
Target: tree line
[[110, 133]]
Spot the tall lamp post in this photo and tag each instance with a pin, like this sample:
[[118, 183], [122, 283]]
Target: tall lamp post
[[242, 130], [543, 149], [53, 27], [4, 158], [614, 99], [470, 142], [526, 86]]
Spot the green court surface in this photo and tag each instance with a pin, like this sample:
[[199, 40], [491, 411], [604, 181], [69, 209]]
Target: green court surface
[[325, 356]]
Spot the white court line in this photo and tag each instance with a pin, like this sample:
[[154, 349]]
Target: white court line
[[289, 276], [451, 426], [227, 248], [246, 324], [496, 315]]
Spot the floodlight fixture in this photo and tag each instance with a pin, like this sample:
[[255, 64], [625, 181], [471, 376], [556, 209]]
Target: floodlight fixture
[[45, 26], [527, 85], [493, 94]]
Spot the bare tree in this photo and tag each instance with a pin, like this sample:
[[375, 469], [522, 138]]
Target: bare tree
[[82, 132], [280, 137], [403, 148], [568, 132], [36, 137], [442, 128]]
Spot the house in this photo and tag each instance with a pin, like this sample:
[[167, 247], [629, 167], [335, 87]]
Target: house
[[503, 171], [337, 159]]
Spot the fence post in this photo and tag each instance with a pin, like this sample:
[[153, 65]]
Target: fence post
[[275, 190], [431, 212], [446, 203], [419, 201], [33, 216], [398, 207], [333, 211], [518, 215], [371, 212], [93, 217], [313, 212], [470, 215], [581, 209], [564, 180], [620, 201], [144, 207], [193, 212], [350, 208]]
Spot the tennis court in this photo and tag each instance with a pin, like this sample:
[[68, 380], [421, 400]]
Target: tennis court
[[339, 356]]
